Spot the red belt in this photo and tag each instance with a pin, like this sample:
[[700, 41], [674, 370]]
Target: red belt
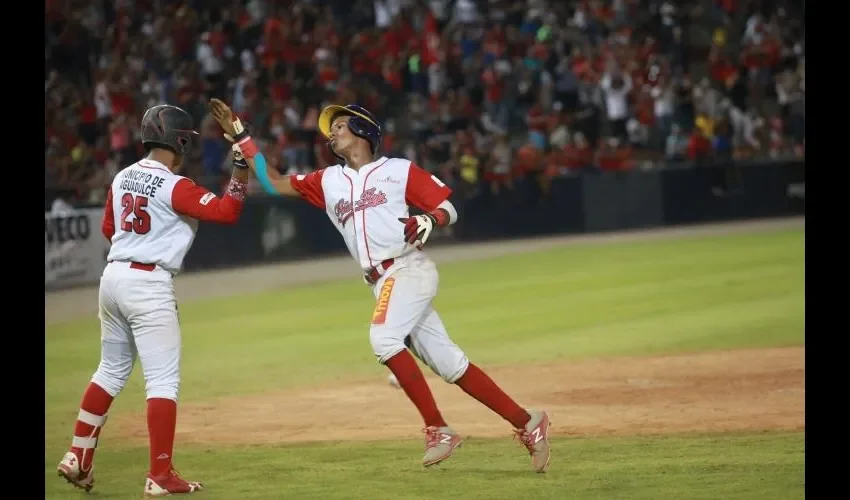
[[374, 274], [141, 267]]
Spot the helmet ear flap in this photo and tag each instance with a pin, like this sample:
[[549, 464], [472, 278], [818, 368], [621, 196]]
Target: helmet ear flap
[[355, 123], [184, 143], [363, 129]]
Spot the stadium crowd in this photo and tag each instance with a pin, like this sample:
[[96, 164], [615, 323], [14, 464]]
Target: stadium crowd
[[484, 92]]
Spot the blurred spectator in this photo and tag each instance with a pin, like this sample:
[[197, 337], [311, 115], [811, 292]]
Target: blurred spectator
[[121, 139], [616, 85], [699, 146], [498, 173], [527, 161], [676, 145], [613, 155], [213, 150], [578, 155], [721, 143], [539, 88], [559, 136]]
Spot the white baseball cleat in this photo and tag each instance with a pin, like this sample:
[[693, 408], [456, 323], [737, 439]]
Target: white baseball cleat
[[535, 438], [440, 442], [169, 483], [69, 468]]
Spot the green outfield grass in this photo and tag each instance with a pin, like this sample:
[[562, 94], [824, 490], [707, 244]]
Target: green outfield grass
[[578, 301], [724, 467]]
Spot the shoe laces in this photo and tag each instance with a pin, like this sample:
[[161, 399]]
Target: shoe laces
[[524, 439], [173, 472], [432, 436]]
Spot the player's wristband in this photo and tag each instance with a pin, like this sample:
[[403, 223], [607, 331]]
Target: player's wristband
[[240, 164], [441, 217], [243, 140], [247, 145], [263, 175]]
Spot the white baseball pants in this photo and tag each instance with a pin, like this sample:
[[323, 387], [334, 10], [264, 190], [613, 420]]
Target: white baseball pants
[[404, 317], [138, 317]]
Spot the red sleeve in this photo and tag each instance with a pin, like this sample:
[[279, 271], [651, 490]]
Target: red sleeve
[[107, 226], [424, 190], [197, 202], [309, 186]]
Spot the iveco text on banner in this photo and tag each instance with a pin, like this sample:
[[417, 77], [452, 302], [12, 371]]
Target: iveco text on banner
[[74, 248]]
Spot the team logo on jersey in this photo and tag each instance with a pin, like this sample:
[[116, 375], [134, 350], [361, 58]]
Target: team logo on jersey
[[389, 179], [344, 209]]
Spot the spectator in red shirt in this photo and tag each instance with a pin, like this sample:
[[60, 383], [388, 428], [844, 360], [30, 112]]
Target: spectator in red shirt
[[87, 127], [528, 160], [555, 163], [699, 146], [613, 155], [578, 154]]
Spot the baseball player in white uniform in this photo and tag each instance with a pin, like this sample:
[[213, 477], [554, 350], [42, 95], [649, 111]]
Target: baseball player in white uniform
[[151, 217], [366, 197]]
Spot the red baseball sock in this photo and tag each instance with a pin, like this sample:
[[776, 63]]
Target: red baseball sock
[[411, 379], [162, 422], [477, 384], [93, 408]]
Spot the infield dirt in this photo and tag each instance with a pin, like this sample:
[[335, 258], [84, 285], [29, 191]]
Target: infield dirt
[[740, 390]]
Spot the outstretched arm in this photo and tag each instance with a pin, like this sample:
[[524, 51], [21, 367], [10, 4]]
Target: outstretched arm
[[270, 179], [197, 202], [308, 186]]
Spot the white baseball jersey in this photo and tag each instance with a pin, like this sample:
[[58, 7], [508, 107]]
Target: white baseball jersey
[[152, 214], [365, 204]]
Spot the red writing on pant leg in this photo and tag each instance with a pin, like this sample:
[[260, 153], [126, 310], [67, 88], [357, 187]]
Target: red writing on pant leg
[[383, 305]]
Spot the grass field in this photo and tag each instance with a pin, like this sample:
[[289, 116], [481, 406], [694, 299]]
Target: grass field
[[672, 369]]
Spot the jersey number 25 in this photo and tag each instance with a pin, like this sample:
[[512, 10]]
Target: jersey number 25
[[137, 207]]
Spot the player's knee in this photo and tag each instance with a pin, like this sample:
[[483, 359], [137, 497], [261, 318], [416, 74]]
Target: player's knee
[[452, 367], [385, 346], [112, 378], [163, 383], [162, 387]]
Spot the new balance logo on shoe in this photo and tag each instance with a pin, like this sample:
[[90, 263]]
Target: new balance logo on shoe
[[446, 439], [538, 435]]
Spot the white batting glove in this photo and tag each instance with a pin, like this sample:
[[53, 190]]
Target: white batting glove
[[418, 227]]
